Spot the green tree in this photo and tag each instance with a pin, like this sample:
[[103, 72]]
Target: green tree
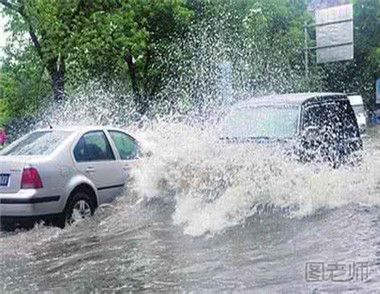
[[103, 37], [24, 86], [127, 43]]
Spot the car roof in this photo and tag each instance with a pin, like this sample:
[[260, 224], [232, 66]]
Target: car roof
[[81, 129], [287, 99], [356, 100]]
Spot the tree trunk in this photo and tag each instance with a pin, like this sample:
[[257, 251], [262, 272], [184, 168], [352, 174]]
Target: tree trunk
[[132, 72], [56, 65], [56, 68], [138, 98]]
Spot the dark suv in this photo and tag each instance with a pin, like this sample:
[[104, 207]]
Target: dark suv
[[314, 126]]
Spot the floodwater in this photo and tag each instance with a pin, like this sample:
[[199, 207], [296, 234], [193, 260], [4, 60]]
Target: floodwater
[[202, 216]]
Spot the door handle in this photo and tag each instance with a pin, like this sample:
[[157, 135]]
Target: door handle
[[90, 169]]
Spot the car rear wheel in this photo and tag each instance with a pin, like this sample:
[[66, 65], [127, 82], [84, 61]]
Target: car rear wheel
[[80, 206]]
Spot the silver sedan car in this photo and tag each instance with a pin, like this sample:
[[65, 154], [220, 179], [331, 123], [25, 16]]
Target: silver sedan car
[[64, 174]]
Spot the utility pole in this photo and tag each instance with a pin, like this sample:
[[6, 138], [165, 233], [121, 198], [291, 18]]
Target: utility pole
[[306, 50], [306, 53]]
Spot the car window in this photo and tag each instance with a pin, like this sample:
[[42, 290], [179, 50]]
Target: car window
[[93, 146], [333, 120], [36, 143], [263, 121], [125, 145], [359, 109]]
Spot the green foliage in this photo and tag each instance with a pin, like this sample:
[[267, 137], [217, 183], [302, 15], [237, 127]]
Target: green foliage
[[79, 41], [169, 48], [274, 34], [103, 37], [24, 87]]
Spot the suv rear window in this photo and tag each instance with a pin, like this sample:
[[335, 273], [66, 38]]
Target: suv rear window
[[36, 143], [335, 118]]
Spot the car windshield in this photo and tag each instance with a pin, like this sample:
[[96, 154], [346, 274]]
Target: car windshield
[[259, 122], [36, 143]]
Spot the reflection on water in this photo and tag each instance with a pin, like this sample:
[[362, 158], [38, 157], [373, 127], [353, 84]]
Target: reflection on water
[[199, 216]]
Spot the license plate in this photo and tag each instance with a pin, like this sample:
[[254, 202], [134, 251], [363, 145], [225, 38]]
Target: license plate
[[4, 180]]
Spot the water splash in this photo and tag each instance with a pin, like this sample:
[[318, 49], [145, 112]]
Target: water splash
[[217, 185]]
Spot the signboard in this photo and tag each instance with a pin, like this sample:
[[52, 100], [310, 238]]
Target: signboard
[[378, 91], [225, 82], [335, 33]]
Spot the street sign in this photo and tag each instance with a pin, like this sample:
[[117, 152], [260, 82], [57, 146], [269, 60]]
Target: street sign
[[378, 91], [225, 81], [335, 33]]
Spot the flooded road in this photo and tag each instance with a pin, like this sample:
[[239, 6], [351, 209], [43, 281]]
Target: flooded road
[[197, 217]]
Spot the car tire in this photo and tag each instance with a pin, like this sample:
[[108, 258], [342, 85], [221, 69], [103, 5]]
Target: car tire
[[79, 206]]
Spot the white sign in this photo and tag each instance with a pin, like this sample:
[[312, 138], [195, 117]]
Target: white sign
[[378, 91], [335, 33], [225, 83]]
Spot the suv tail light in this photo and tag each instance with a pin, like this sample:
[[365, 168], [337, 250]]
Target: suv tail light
[[31, 179]]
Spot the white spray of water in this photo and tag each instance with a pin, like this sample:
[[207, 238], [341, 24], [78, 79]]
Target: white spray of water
[[217, 185]]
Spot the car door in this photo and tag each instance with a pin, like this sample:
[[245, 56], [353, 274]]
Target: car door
[[127, 148], [95, 158]]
